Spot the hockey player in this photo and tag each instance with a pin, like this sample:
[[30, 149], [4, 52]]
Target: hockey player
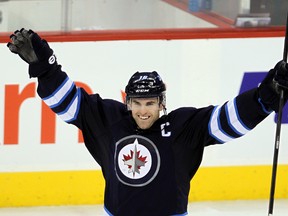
[[147, 160]]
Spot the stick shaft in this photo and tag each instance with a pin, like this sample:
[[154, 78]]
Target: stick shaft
[[276, 152], [278, 131]]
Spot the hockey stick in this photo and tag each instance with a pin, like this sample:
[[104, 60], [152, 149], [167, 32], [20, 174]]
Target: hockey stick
[[278, 130]]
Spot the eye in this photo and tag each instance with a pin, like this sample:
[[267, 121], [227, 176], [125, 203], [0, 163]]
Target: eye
[[151, 103], [136, 102]]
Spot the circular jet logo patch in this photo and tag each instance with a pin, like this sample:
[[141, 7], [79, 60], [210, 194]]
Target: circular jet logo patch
[[137, 161]]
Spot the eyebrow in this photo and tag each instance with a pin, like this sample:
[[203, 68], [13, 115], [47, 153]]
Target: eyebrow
[[150, 102]]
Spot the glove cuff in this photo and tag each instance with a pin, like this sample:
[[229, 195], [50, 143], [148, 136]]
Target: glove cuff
[[39, 68], [268, 97]]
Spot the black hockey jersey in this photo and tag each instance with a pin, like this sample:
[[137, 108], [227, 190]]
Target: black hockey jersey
[[147, 172]]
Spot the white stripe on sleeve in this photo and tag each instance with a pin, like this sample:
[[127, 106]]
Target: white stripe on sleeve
[[215, 127], [72, 110], [60, 93], [234, 120]]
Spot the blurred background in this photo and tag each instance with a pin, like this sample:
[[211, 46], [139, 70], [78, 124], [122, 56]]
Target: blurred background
[[70, 15]]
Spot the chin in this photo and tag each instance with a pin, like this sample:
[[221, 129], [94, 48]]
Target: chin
[[144, 127]]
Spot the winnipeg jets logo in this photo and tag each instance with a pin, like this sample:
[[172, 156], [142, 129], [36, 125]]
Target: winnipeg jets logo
[[134, 161], [137, 161]]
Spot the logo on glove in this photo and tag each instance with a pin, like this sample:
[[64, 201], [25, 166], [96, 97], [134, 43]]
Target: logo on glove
[[52, 59]]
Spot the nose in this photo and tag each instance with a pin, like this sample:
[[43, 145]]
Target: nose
[[142, 110]]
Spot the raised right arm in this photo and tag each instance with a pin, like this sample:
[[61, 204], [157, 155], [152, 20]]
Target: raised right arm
[[55, 88]]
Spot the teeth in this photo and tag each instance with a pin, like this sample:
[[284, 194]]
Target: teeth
[[143, 117]]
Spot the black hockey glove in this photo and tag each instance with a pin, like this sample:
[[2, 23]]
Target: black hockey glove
[[33, 50], [269, 89]]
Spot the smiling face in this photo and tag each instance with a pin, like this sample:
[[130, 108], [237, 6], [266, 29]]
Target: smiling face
[[145, 111]]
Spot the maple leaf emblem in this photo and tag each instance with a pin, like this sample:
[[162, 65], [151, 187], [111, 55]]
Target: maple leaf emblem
[[134, 161]]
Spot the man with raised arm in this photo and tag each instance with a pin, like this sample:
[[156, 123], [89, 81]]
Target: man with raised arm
[[147, 159]]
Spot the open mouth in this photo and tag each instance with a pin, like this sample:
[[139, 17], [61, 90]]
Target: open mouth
[[143, 117]]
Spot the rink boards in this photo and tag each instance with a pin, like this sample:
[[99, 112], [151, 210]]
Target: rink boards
[[44, 162]]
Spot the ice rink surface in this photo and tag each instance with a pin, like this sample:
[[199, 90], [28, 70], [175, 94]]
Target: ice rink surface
[[223, 208]]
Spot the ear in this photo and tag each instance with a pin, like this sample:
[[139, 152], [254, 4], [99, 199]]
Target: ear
[[128, 105], [161, 107]]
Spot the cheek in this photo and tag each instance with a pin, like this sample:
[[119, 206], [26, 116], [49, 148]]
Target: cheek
[[133, 112]]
